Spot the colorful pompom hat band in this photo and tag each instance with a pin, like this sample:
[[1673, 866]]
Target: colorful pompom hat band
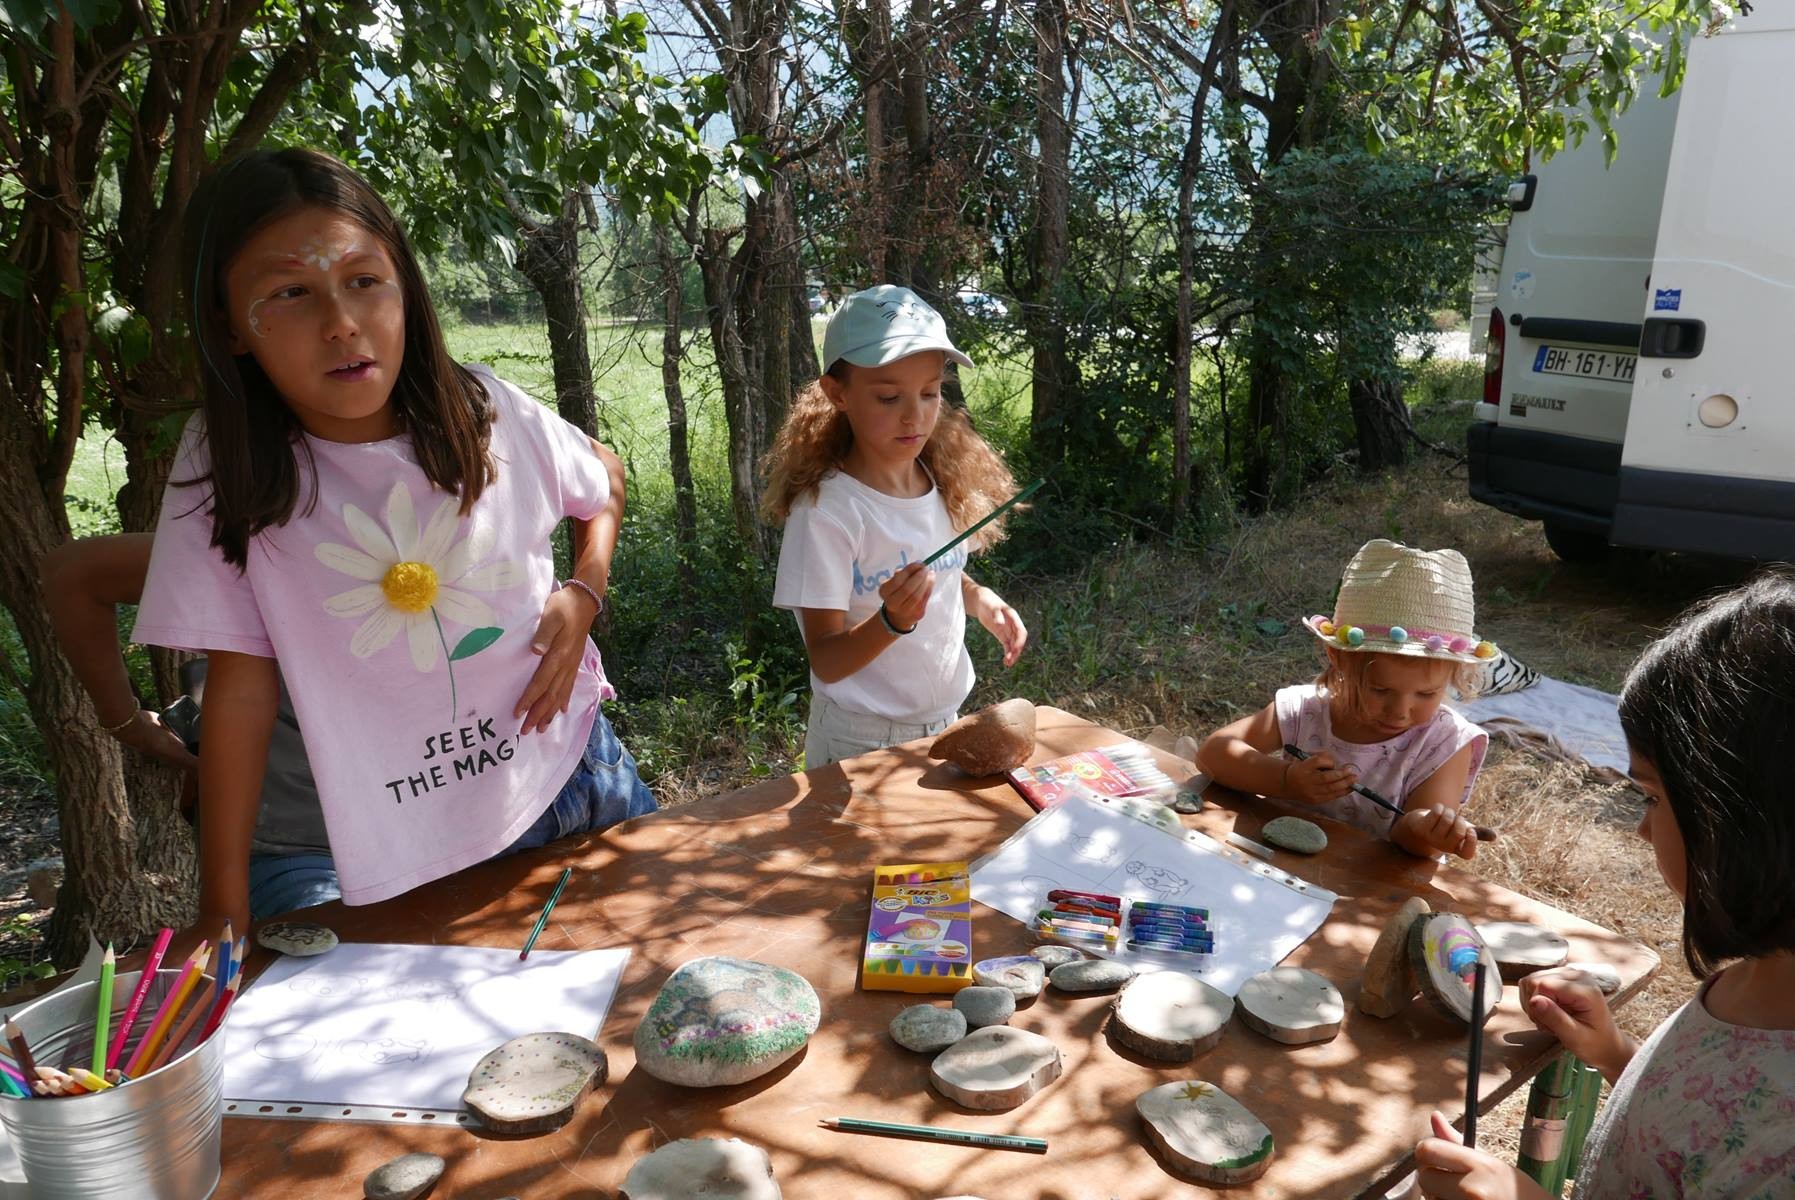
[[1395, 599]]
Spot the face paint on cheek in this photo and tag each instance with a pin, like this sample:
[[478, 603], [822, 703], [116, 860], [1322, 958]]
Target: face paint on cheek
[[254, 322]]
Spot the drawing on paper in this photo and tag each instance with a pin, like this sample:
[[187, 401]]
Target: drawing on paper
[[1161, 882], [386, 1051], [1095, 848]]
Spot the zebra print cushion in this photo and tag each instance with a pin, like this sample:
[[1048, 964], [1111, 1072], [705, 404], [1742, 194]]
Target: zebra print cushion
[[1506, 673]]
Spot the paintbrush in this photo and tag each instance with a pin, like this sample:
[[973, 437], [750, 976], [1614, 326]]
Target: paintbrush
[[1484, 832]]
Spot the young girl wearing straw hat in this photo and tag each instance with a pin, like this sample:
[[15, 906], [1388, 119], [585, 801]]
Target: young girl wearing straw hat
[[1376, 716]]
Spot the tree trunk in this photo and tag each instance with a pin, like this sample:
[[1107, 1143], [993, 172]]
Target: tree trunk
[[718, 268], [679, 460], [1052, 372], [549, 257], [1380, 418]]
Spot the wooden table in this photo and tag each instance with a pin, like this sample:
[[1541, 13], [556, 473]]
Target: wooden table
[[781, 872]]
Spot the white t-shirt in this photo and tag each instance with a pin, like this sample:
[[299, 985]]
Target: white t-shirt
[[838, 549], [403, 631]]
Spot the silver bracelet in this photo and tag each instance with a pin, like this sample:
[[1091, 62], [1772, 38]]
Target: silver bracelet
[[587, 588], [123, 725], [893, 630]]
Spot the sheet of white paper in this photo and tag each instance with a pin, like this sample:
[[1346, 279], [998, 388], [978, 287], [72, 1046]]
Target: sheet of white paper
[[401, 1026], [1136, 851]]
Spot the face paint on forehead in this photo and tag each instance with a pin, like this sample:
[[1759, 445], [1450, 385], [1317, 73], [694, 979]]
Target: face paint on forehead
[[325, 256]]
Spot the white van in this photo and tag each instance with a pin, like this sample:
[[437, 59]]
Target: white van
[[1638, 390]]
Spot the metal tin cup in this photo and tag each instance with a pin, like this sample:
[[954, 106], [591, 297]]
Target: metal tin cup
[[155, 1138]]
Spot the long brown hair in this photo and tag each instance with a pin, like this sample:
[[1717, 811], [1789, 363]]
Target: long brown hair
[[816, 437], [252, 437]]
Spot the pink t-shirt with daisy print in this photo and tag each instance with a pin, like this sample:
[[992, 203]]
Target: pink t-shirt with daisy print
[[403, 631]]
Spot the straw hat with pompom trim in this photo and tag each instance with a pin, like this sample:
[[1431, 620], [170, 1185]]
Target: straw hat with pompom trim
[[1395, 599]]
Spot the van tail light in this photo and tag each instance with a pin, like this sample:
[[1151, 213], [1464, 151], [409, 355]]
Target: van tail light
[[1492, 358]]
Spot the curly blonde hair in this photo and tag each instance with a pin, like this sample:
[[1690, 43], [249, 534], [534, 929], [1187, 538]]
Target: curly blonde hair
[[816, 437]]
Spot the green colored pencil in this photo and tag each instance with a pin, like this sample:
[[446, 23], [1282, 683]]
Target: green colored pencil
[[546, 910], [934, 1133], [102, 1026], [995, 513]]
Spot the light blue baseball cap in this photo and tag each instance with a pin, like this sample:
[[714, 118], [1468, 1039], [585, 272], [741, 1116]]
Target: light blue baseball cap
[[883, 324]]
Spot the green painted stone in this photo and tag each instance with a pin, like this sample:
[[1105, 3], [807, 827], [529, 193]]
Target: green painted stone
[[723, 1020], [1205, 1134]]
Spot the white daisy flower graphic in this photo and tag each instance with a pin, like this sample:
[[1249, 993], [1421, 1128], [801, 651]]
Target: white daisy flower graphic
[[412, 579]]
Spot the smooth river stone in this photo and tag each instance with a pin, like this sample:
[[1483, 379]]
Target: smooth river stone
[[1170, 1016], [927, 1028], [1389, 982], [1057, 956], [982, 1006], [404, 1178], [723, 1020], [1291, 1005], [1521, 948], [1205, 1134], [1444, 949], [1091, 975], [995, 1068], [1294, 833], [703, 1169], [991, 740], [1023, 974], [532, 1084], [297, 938]]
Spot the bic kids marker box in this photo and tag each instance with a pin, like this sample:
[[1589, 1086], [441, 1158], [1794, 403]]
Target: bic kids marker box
[[920, 936]]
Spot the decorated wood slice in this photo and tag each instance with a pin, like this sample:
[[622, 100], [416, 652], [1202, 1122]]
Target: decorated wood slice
[[995, 1068], [703, 1169], [1205, 1134], [1170, 1016], [1522, 948], [1389, 974], [532, 1084], [1444, 949], [1291, 1005]]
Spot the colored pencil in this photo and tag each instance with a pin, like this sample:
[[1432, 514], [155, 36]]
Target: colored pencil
[[171, 1005], [1157, 906], [216, 1017], [548, 908], [1012, 502], [102, 1025], [1169, 947], [1474, 1069], [89, 1080], [197, 1007], [935, 1133], [21, 1053], [9, 1088], [1484, 832], [227, 946], [142, 990], [1068, 894], [10, 1071], [59, 1083]]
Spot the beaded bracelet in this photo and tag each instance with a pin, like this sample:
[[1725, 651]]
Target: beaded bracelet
[[122, 725], [597, 600]]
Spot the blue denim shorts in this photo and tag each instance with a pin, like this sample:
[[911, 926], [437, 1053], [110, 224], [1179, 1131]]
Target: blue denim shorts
[[602, 791]]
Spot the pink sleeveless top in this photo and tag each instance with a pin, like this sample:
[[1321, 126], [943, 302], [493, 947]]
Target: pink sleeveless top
[[1392, 768]]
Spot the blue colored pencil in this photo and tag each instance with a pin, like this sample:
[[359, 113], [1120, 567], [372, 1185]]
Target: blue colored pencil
[[1178, 909], [1170, 947]]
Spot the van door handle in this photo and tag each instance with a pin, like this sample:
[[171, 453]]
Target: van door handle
[[1671, 337]]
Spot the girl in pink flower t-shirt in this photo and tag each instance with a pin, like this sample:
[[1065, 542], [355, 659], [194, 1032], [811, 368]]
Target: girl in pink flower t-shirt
[[1377, 717], [354, 504], [1705, 1109]]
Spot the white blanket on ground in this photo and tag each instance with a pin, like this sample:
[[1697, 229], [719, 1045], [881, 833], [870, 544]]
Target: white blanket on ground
[[1569, 719]]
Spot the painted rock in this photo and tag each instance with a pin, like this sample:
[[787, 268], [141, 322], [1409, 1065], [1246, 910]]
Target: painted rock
[[297, 938], [1521, 948], [1291, 1005], [723, 1020], [995, 1068], [404, 1178], [702, 1169], [1170, 1016], [533, 1083], [1023, 974], [991, 740], [1187, 802], [1057, 956], [927, 1028], [982, 1006], [1605, 978], [1090, 975], [1444, 949], [1205, 1134], [1294, 833], [1389, 982]]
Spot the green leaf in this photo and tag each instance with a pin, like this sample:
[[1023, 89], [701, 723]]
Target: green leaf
[[474, 641], [12, 280], [1271, 628]]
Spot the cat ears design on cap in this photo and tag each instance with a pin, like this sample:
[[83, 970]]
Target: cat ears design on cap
[[1395, 599]]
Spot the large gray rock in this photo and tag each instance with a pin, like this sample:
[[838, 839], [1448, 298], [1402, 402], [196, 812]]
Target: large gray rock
[[995, 1068], [404, 1178], [533, 1084], [1170, 1016], [984, 1006], [703, 1169], [990, 740], [1205, 1134], [1294, 833], [1023, 974], [927, 1028], [723, 1020], [1092, 975]]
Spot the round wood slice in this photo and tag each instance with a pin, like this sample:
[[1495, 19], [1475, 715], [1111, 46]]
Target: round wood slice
[[1170, 1016], [1291, 1005], [1444, 949], [1205, 1134], [995, 1068], [532, 1084], [1389, 975], [1522, 948], [1605, 978]]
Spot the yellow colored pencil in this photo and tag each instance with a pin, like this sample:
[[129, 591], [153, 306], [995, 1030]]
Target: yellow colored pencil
[[89, 1080], [195, 1010], [165, 1016]]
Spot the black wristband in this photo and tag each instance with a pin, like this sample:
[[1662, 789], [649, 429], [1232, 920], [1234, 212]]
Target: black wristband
[[893, 630]]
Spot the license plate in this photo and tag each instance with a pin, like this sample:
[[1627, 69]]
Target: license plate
[[1585, 364]]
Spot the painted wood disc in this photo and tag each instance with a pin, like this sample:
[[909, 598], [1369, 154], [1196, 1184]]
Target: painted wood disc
[[1444, 949]]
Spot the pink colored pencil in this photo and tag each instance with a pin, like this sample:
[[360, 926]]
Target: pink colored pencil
[[216, 1017], [165, 1015], [137, 996], [195, 1010]]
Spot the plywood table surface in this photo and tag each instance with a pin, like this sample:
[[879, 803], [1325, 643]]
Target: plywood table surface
[[781, 872]]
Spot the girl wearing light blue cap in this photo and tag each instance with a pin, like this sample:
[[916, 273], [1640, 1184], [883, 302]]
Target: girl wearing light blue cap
[[870, 474]]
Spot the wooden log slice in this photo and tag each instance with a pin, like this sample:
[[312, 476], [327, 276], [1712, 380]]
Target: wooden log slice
[[995, 1068], [1291, 1005], [1444, 949], [1205, 1134], [1522, 948], [533, 1084], [1170, 1016]]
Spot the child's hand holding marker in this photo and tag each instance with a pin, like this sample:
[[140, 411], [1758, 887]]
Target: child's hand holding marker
[[1316, 779], [906, 595]]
